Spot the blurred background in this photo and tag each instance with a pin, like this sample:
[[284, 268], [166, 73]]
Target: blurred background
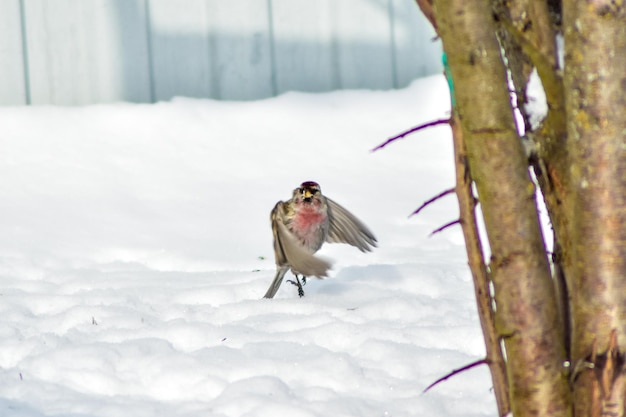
[[76, 52]]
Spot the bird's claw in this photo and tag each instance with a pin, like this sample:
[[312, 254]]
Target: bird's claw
[[298, 284]]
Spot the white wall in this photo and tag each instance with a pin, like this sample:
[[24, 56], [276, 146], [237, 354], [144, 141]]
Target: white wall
[[73, 52]]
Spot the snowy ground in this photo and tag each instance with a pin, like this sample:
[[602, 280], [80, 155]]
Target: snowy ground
[[135, 247]]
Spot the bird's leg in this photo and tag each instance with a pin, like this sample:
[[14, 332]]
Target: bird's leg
[[298, 284], [300, 289]]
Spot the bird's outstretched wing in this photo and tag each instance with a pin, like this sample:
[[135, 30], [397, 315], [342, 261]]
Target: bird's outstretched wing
[[346, 228], [289, 252]]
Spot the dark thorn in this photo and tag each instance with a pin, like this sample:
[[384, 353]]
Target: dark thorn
[[432, 200], [445, 226], [455, 372], [414, 129]]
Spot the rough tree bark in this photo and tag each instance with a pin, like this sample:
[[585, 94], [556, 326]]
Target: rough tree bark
[[595, 82]]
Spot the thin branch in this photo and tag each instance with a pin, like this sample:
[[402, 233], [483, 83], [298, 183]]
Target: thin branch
[[432, 200], [480, 276], [445, 226], [427, 8], [414, 129], [455, 372]]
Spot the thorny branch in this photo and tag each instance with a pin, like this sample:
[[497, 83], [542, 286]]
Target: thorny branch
[[473, 245]]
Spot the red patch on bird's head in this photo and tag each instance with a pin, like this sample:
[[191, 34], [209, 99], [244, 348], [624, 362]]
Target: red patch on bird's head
[[309, 184]]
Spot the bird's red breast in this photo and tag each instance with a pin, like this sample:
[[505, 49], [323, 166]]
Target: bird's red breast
[[308, 226]]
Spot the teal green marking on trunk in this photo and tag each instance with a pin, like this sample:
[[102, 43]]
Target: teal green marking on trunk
[[446, 69]]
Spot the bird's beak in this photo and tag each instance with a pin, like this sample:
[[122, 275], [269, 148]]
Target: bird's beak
[[307, 194]]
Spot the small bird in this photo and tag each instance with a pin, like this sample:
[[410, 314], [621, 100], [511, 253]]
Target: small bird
[[302, 224]]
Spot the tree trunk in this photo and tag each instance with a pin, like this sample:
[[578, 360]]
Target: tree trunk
[[526, 314], [580, 164], [595, 81]]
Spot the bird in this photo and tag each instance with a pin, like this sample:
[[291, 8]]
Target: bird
[[300, 227]]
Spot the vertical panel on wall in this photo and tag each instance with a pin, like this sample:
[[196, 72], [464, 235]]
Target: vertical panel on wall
[[12, 72], [304, 45], [416, 54], [74, 52], [180, 38], [130, 29], [364, 51], [240, 49]]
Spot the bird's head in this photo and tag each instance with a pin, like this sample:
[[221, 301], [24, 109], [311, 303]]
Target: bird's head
[[307, 192]]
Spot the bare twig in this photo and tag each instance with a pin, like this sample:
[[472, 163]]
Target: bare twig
[[432, 200], [414, 129], [455, 372], [445, 226]]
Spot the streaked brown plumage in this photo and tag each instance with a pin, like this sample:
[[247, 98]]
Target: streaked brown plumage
[[302, 224]]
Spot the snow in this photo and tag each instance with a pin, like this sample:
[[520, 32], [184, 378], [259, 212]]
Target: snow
[[537, 106], [136, 247]]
